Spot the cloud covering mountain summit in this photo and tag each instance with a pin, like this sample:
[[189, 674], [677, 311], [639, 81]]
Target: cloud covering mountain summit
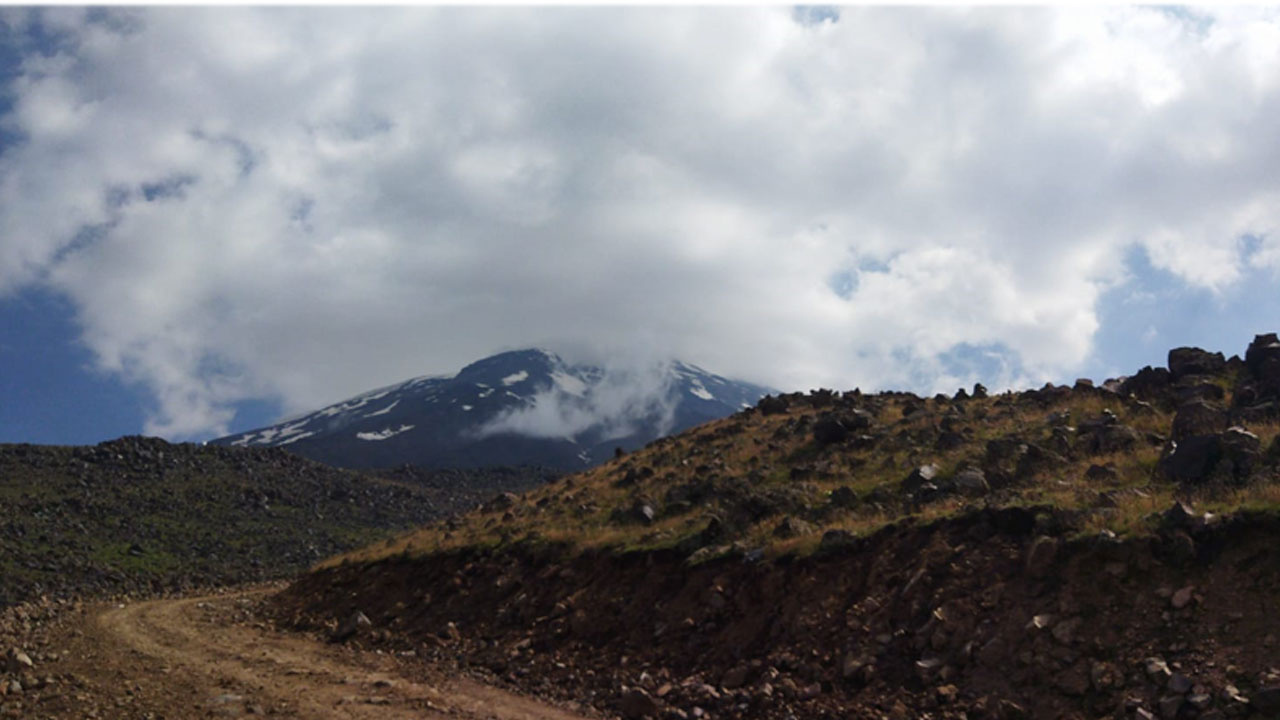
[[523, 407], [868, 197]]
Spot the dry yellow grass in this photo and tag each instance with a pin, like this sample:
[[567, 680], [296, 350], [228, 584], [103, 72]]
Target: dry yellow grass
[[765, 451]]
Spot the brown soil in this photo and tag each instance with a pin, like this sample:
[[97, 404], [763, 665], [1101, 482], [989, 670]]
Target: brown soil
[[959, 618], [204, 657]]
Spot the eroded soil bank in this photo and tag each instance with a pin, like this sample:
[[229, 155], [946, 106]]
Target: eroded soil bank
[[998, 613]]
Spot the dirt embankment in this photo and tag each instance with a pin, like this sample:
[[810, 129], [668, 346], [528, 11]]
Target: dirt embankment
[[994, 614]]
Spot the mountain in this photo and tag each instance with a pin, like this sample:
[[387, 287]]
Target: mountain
[[525, 407]]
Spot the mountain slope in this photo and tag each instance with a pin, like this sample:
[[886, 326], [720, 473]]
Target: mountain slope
[[525, 407], [140, 514], [1067, 552]]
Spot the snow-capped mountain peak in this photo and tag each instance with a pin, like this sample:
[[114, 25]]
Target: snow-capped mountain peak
[[518, 407]]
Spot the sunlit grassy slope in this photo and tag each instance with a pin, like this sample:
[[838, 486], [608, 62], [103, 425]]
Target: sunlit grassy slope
[[764, 481]]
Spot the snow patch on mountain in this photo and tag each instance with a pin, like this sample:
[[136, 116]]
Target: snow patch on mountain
[[383, 411], [697, 390], [514, 378], [568, 383], [293, 439], [383, 434]]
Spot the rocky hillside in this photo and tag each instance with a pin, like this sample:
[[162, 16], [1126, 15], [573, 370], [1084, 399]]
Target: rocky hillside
[[1087, 551], [139, 514], [526, 407]]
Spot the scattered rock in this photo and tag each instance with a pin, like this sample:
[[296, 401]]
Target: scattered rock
[[829, 431], [1186, 361], [358, 622], [1192, 459], [636, 704], [1169, 706], [792, 527], [1198, 417], [1179, 516], [844, 497], [772, 405], [1157, 670], [18, 661], [971, 482], [735, 677], [1179, 683], [1040, 556], [918, 478], [837, 540], [1182, 598], [1102, 473], [1267, 699], [500, 502]]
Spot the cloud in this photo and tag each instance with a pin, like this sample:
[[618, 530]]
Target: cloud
[[620, 402], [302, 204]]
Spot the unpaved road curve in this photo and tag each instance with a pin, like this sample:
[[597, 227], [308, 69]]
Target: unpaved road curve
[[194, 647]]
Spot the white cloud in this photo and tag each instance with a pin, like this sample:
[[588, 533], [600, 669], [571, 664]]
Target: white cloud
[[630, 396], [303, 204]]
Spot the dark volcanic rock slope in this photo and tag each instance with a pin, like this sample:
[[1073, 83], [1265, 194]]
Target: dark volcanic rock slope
[[525, 407], [139, 514]]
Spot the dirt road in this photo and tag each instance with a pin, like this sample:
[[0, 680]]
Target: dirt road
[[203, 657]]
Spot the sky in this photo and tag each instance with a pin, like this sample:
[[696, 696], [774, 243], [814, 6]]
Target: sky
[[214, 217]]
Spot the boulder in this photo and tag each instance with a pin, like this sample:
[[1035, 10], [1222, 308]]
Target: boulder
[[1001, 449], [792, 527], [1111, 438], [1148, 383], [1040, 556], [858, 419], [18, 661], [358, 622], [1035, 458], [1102, 473], [1185, 361], [501, 501], [1263, 350], [1179, 516], [772, 405], [1179, 683], [642, 512], [1192, 459], [1169, 706], [1232, 457], [1198, 417], [1243, 450], [636, 704], [1190, 389], [735, 677], [829, 430], [971, 482], [948, 440], [918, 477], [714, 532], [837, 540], [1266, 700], [844, 497]]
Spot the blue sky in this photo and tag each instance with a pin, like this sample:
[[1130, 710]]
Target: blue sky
[[213, 217]]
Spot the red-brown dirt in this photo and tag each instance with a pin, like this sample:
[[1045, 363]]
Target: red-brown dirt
[[997, 613]]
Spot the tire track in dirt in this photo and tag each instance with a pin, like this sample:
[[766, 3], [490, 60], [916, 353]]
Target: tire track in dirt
[[249, 669]]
